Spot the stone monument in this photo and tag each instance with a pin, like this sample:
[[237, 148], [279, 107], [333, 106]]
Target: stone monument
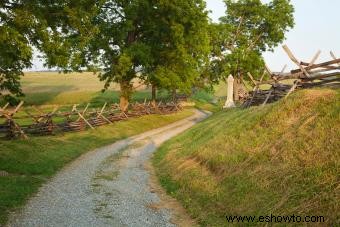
[[230, 96]]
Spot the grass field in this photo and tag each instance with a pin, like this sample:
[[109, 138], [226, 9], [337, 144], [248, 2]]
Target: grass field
[[46, 89], [282, 159], [53, 88], [34, 82], [205, 101]]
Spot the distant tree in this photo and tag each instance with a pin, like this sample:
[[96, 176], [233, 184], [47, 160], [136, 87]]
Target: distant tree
[[57, 28], [249, 28]]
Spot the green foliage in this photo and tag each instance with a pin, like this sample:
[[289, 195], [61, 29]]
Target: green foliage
[[15, 54], [183, 44], [58, 29], [119, 48], [249, 28], [204, 100], [166, 42]]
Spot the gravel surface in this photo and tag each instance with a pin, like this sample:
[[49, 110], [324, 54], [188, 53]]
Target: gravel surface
[[105, 187]]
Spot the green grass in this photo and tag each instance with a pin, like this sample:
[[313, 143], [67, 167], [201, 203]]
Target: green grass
[[32, 162], [52, 88], [80, 97], [205, 101], [282, 159]]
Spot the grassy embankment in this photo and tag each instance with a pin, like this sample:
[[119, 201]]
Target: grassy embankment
[[282, 159]]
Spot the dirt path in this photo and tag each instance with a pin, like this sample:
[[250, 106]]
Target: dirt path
[[110, 186]]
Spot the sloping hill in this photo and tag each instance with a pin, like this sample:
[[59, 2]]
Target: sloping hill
[[283, 159]]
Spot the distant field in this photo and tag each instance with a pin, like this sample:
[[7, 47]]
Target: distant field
[[53, 88], [38, 82]]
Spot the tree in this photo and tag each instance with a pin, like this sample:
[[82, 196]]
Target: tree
[[181, 44], [118, 49], [162, 40], [59, 29], [165, 41], [249, 28]]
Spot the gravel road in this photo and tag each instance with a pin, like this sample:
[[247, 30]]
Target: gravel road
[[105, 187]]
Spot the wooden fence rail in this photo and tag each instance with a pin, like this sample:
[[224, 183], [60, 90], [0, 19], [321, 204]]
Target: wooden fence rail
[[50, 123], [308, 75]]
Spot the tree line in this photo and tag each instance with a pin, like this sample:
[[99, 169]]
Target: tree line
[[167, 44]]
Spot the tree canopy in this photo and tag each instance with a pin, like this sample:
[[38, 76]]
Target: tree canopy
[[165, 41], [168, 44], [183, 44], [59, 29]]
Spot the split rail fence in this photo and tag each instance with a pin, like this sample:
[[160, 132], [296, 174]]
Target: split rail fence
[[12, 124], [307, 75]]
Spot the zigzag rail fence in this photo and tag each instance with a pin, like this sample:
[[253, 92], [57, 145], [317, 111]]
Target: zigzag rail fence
[[308, 75], [74, 120]]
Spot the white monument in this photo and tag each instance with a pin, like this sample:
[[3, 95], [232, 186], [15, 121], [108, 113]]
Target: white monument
[[230, 97]]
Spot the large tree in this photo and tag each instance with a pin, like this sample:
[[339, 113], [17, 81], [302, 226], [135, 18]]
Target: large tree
[[185, 44], [119, 50], [59, 29], [180, 46], [165, 41], [249, 28]]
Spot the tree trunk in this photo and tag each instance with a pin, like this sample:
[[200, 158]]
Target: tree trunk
[[154, 94], [174, 94], [237, 86], [125, 86], [125, 93], [124, 103]]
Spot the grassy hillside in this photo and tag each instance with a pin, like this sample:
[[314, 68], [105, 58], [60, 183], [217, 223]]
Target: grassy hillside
[[29, 163], [282, 159]]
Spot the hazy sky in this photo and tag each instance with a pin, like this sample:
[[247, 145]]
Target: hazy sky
[[317, 27]]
